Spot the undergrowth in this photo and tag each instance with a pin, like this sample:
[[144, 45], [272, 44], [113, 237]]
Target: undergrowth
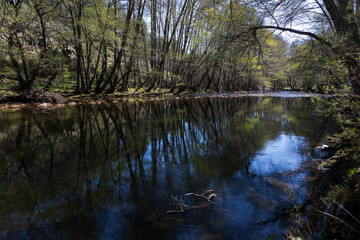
[[340, 184]]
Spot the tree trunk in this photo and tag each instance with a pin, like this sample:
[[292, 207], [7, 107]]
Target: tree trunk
[[354, 73]]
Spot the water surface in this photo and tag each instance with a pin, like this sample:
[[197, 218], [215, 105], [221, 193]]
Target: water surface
[[107, 171]]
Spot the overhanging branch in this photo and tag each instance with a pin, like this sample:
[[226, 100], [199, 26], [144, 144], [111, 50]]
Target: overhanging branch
[[310, 34]]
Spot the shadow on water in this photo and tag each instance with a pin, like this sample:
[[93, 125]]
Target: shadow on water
[[107, 171]]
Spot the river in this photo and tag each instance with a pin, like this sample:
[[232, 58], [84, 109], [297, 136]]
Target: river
[[108, 171]]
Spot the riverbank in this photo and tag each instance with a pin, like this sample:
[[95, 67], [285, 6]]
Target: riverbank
[[338, 187], [14, 101]]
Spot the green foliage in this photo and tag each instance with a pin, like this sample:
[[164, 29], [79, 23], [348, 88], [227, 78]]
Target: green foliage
[[344, 166], [314, 68], [208, 45]]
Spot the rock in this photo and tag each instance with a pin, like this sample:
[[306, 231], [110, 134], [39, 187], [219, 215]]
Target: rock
[[260, 201], [72, 103], [285, 186], [322, 147], [44, 105]]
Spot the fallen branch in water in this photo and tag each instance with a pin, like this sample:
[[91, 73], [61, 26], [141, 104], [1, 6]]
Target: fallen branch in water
[[180, 206]]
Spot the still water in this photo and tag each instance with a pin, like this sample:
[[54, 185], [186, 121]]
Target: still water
[[108, 171]]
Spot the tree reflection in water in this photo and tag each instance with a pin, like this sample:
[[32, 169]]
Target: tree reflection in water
[[107, 171]]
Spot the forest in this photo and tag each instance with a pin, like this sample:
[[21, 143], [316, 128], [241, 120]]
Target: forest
[[107, 46], [274, 135]]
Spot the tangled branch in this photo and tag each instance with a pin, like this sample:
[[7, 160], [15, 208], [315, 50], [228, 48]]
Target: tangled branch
[[201, 200]]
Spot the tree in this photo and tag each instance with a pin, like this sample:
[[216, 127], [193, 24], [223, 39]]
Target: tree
[[29, 56], [108, 48], [341, 16]]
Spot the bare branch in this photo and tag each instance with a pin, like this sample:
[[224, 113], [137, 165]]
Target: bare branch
[[182, 207], [310, 34]]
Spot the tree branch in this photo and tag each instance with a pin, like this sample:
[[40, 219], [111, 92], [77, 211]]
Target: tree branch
[[310, 34]]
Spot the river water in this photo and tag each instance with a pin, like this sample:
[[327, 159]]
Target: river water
[[108, 171]]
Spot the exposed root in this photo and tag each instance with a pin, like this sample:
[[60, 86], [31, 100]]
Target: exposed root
[[201, 200]]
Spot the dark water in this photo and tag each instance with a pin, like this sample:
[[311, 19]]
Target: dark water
[[107, 171]]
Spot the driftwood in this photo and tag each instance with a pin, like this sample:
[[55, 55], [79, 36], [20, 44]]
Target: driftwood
[[201, 200]]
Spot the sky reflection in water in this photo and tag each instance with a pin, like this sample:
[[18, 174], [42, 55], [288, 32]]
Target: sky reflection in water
[[279, 155]]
